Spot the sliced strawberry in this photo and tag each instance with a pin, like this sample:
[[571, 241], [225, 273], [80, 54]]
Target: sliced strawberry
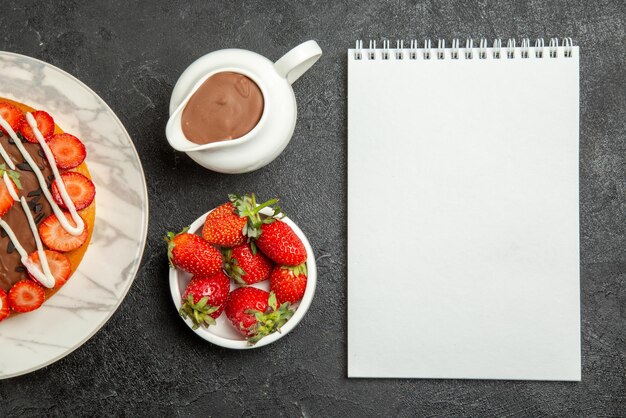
[[6, 200], [58, 239], [80, 188], [26, 296], [12, 115], [59, 264], [45, 124], [68, 151], [5, 309]]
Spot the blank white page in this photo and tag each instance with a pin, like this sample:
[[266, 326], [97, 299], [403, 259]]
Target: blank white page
[[463, 228]]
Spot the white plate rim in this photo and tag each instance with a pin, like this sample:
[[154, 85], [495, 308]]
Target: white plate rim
[[145, 220]]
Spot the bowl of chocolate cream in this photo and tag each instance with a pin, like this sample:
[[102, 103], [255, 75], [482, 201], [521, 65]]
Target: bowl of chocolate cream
[[234, 111]]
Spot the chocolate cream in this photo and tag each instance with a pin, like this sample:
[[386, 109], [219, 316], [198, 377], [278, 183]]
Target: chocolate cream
[[226, 106], [11, 268]]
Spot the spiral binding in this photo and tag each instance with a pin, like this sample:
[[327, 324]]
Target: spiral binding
[[469, 50]]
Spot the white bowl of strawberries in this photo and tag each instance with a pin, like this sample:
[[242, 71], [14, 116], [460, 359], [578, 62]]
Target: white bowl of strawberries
[[242, 275]]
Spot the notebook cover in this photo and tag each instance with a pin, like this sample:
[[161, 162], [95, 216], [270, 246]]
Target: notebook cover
[[463, 225]]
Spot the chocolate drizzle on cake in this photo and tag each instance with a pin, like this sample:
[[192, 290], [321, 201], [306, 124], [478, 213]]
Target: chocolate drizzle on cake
[[11, 268]]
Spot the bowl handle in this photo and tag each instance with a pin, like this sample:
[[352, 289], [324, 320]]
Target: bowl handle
[[297, 61]]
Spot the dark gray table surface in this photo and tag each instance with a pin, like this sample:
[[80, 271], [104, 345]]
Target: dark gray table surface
[[145, 361]]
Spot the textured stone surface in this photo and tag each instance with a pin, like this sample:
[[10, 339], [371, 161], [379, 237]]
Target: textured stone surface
[[146, 361]]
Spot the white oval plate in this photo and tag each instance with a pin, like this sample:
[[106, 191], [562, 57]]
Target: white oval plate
[[223, 333], [75, 313]]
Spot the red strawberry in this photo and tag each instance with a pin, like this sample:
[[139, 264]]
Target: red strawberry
[[255, 312], [193, 254], [205, 298], [58, 239], [281, 244], [288, 283], [229, 224], [6, 200], [5, 309], [59, 264], [26, 296], [245, 267], [12, 115], [80, 188], [224, 227], [68, 151], [45, 125]]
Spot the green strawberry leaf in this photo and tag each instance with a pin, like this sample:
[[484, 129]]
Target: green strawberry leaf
[[200, 305], [253, 247], [169, 238], [270, 321], [247, 206], [199, 313], [271, 301], [13, 175], [232, 267]]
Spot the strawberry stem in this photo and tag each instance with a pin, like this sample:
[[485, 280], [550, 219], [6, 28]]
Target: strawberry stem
[[246, 206], [269, 321], [232, 268], [199, 313], [264, 205]]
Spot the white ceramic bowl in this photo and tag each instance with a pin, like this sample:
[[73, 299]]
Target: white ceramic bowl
[[223, 333], [271, 135]]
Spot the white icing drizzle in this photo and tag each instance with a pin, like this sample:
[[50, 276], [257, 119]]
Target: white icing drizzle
[[5, 156], [80, 225], [11, 234], [46, 274], [44, 277], [10, 186]]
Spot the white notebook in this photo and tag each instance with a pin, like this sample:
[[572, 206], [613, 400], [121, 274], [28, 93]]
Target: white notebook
[[463, 227]]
